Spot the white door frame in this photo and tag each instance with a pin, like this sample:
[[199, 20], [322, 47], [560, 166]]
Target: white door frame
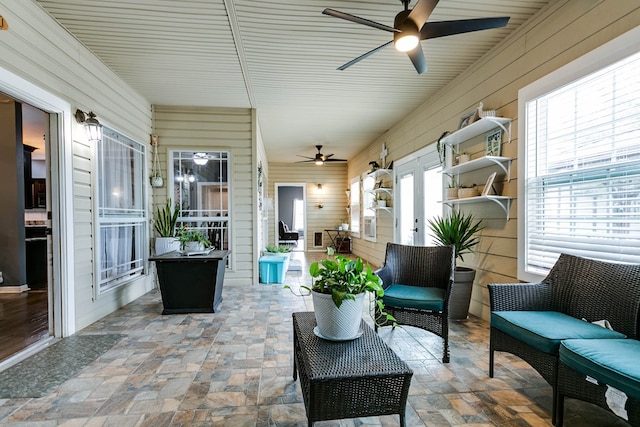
[[420, 161], [276, 216], [61, 190]]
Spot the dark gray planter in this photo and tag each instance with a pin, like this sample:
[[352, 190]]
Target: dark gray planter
[[191, 284], [461, 293]]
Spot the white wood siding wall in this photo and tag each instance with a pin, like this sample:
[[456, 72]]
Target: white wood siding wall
[[333, 177], [228, 129], [37, 49], [560, 33]]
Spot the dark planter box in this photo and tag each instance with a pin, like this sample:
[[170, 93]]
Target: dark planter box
[[191, 284]]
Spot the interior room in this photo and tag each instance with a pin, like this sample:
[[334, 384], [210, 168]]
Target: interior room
[[342, 128]]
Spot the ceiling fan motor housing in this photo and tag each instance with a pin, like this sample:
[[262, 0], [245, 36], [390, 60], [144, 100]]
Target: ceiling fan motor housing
[[407, 28]]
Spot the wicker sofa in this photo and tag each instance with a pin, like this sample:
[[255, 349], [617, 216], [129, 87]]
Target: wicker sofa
[[532, 320]]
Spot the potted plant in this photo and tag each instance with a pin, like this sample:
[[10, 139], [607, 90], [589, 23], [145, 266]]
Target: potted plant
[[192, 241], [279, 250], [459, 230], [338, 290], [165, 225]]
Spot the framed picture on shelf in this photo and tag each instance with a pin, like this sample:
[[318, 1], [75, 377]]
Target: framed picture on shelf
[[468, 118], [489, 184], [493, 143]]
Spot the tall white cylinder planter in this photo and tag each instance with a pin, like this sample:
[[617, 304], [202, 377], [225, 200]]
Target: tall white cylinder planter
[[337, 324], [166, 244]]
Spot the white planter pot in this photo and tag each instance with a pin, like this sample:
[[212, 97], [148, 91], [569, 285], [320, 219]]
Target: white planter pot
[[166, 244], [337, 324], [345, 226], [463, 158], [382, 203], [193, 247]]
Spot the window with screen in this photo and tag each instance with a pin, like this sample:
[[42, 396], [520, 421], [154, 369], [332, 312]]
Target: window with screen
[[122, 236], [201, 188]]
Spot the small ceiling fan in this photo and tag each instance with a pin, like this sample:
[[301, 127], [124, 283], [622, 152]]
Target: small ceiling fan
[[410, 27], [320, 158]]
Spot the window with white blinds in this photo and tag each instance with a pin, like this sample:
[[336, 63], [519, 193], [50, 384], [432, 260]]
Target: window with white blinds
[[582, 168]]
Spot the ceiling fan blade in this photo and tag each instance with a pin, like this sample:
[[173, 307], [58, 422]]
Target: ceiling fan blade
[[417, 58], [421, 11], [361, 57], [306, 157], [432, 30], [305, 161], [358, 20], [327, 156], [335, 160]]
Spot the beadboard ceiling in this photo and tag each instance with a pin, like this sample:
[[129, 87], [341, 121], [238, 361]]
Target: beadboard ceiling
[[280, 57]]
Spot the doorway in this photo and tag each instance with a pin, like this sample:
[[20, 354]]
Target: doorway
[[26, 294], [290, 209], [419, 196]]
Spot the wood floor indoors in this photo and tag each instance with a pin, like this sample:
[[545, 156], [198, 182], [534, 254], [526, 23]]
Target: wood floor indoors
[[23, 321], [234, 368]]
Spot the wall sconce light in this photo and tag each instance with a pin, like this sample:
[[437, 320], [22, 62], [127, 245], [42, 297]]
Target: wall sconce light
[[190, 176], [320, 190], [91, 124]]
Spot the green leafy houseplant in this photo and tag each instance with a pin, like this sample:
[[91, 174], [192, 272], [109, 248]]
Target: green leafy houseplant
[[166, 218], [185, 236], [457, 229]]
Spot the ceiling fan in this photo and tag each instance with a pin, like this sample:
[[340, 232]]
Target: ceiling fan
[[320, 158], [410, 26]]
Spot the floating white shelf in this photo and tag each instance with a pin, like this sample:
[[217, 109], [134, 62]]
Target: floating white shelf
[[478, 127], [482, 162], [503, 201], [376, 173]]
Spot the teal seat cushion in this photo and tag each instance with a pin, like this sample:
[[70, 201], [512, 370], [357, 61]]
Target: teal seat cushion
[[544, 330], [613, 362], [406, 296]]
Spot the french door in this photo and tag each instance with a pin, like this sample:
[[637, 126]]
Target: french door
[[419, 190]]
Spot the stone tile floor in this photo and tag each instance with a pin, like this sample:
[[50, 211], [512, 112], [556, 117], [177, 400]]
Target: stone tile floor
[[234, 368]]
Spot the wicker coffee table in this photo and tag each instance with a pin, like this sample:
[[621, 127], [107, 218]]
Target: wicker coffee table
[[358, 378]]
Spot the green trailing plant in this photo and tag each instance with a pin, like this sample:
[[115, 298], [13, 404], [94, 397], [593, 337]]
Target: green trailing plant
[[185, 235], [278, 249], [457, 229], [166, 218]]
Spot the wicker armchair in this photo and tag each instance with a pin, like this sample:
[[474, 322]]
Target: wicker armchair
[[578, 287], [417, 282]]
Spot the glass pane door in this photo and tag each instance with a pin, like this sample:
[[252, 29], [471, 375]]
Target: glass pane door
[[406, 205]]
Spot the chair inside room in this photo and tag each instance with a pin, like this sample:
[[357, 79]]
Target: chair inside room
[[286, 235], [417, 282]]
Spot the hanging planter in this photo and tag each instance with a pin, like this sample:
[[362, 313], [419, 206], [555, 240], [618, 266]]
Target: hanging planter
[[156, 176]]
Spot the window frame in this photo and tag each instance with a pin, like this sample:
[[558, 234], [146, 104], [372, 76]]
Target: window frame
[[136, 217], [355, 197], [597, 59], [185, 218]]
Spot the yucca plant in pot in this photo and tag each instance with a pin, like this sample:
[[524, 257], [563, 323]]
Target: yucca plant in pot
[[461, 231], [338, 291], [165, 225]]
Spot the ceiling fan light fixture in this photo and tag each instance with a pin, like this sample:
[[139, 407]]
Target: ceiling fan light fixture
[[200, 159], [408, 37], [319, 162]]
